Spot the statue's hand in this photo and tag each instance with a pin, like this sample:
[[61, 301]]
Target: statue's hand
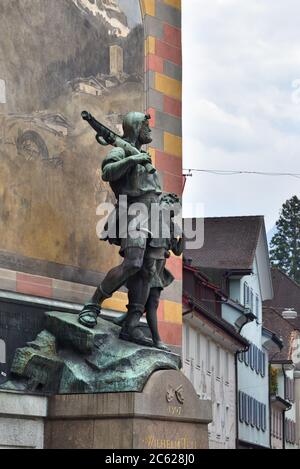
[[142, 158]]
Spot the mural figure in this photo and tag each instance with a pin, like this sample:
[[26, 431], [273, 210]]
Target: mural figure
[[46, 150]]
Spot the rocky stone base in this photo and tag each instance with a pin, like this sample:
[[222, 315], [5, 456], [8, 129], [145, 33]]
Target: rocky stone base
[[68, 358]]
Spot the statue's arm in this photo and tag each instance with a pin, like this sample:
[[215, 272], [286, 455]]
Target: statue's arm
[[115, 170], [115, 166], [176, 243], [177, 246]]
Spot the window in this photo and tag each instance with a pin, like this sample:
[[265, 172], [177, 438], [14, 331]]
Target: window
[[2, 351], [252, 412]]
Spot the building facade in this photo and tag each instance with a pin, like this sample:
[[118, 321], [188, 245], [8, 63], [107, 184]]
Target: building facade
[[235, 256], [282, 315], [210, 346]]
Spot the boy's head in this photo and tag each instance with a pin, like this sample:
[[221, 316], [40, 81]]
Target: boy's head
[[171, 202]]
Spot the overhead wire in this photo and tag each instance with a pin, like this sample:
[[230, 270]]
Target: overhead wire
[[221, 172]]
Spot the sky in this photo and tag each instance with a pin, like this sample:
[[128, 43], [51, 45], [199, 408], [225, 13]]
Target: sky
[[241, 104]]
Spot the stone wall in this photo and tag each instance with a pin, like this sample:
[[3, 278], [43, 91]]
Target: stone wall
[[163, 68], [22, 421]]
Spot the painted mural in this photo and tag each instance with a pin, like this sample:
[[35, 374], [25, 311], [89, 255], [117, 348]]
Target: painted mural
[[57, 58]]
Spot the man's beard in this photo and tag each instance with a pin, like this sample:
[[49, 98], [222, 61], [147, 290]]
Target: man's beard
[[145, 139]]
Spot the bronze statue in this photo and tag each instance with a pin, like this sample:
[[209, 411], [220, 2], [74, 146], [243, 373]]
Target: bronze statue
[[131, 174]]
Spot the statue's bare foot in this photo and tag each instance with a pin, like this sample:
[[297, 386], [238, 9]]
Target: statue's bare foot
[[136, 336], [88, 315], [161, 346]]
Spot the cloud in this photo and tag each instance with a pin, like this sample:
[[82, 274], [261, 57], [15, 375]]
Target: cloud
[[240, 62]]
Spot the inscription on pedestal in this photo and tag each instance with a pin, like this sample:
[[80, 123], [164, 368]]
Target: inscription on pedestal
[[167, 415]]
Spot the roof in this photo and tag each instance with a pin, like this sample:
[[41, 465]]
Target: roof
[[273, 338], [285, 405], [286, 294], [285, 329], [214, 319], [229, 242], [199, 306]]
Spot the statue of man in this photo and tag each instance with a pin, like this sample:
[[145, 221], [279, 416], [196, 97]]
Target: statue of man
[[128, 176]]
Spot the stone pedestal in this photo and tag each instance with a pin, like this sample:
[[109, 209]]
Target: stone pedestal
[[166, 415], [22, 421]]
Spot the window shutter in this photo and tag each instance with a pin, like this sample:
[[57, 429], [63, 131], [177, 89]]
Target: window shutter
[[263, 417], [246, 356], [246, 294], [246, 409], [263, 364], [257, 306], [252, 357], [293, 432], [241, 409], [257, 409], [251, 300], [252, 406]]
